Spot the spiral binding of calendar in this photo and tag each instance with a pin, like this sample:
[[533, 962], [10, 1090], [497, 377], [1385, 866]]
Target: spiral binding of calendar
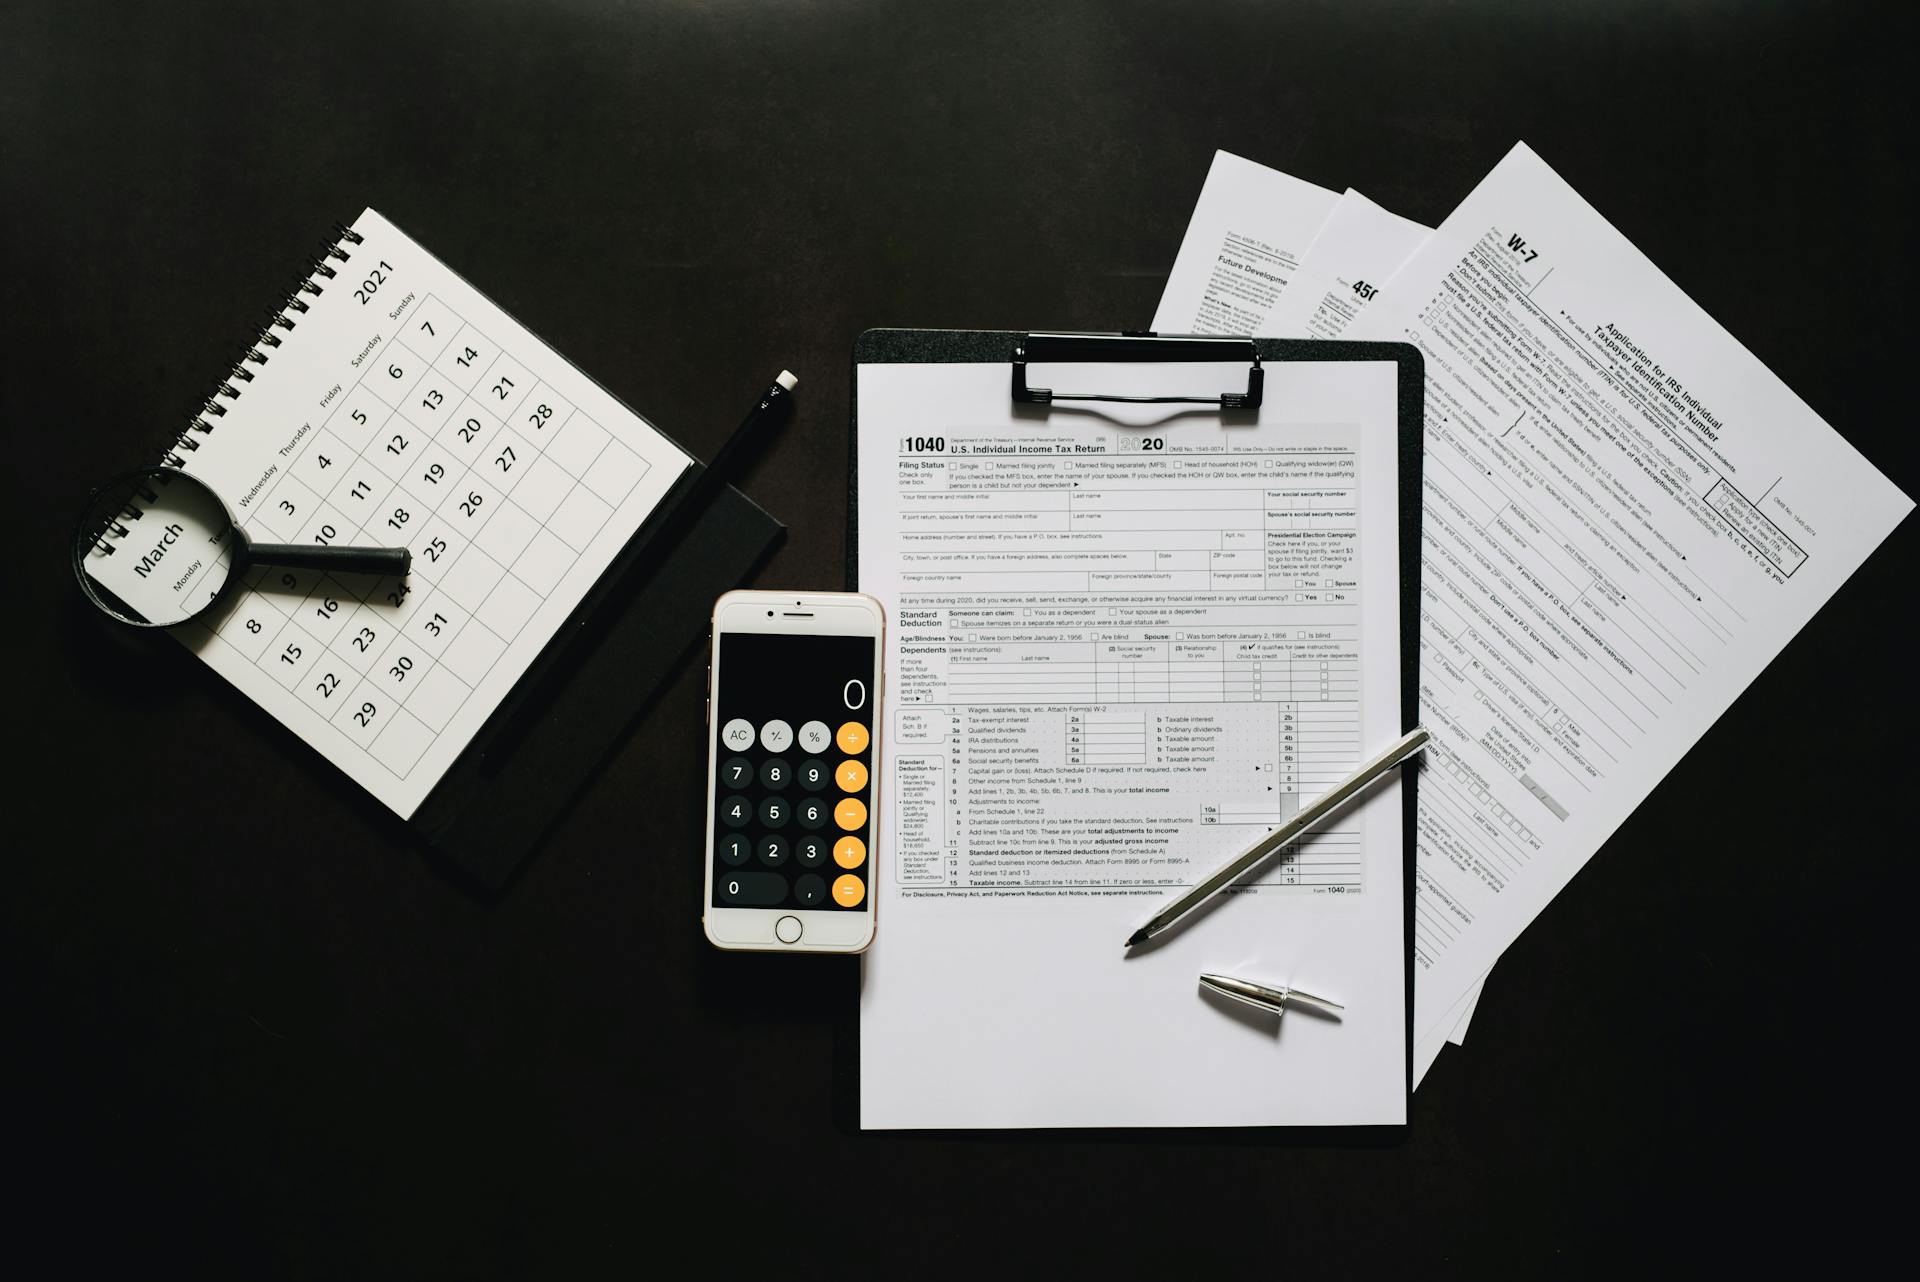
[[257, 351]]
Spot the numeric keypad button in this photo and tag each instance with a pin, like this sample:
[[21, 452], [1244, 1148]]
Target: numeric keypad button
[[773, 851], [813, 774], [775, 773], [810, 852], [734, 850], [809, 890], [736, 812], [848, 890], [774, 812], [736, 772], [752, 889], [812, 813]]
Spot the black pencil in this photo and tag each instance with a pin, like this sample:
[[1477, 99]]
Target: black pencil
[[771, 410]]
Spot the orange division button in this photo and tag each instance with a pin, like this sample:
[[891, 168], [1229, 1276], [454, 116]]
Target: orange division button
[[851, 776], [851, 813], [848, 890], [852, 737], [849, 852]]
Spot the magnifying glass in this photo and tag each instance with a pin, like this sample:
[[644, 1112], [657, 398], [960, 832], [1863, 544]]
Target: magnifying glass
[[157, 547]]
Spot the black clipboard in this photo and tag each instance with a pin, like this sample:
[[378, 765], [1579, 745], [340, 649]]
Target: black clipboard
[[1019, 349]]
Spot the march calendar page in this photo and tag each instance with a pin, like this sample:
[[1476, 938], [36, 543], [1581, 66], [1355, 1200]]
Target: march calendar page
[[393, 405]]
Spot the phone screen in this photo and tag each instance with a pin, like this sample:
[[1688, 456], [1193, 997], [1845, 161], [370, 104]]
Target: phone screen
[[793, 822]]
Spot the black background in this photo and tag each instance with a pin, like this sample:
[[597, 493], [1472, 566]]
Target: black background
[[309, 1053]]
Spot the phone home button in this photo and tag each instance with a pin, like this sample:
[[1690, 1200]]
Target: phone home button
[[787, 930]]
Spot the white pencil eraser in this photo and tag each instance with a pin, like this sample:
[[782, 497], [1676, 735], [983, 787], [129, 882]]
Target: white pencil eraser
[[787, 380]]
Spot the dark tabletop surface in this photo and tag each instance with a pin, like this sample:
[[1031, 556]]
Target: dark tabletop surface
[[312, 1054]]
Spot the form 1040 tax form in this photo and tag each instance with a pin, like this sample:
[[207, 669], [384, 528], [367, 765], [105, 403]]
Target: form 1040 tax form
[[1123, 644]]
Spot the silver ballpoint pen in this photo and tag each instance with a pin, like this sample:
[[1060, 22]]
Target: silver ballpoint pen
[[1310, 816]]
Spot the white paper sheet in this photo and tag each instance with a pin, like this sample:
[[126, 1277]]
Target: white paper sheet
[[1249, 231], [1456, 1024], [1451, 1028], [1628, 516], [1116, 655], [1357, 251]]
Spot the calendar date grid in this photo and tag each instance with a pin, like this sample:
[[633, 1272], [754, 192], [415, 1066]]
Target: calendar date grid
[[493, 480]]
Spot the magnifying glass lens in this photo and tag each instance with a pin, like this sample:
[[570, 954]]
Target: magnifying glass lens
[[154, 547]]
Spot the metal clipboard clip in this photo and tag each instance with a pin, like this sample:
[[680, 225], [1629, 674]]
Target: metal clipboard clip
[[1136, 347]]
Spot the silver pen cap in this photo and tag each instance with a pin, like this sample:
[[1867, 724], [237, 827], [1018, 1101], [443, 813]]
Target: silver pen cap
[[1273, 1000]]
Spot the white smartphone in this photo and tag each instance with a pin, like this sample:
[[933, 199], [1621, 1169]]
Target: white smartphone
[[793, 771]]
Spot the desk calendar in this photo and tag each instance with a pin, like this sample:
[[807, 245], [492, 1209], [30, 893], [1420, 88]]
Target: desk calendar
[[389, 403]]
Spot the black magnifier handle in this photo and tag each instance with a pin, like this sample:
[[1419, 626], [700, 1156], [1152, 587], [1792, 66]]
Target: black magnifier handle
[[301, 556]]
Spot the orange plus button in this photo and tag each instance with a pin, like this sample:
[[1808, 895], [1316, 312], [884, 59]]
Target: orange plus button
[[851, 813], [848, 891], [852, 737], [849, 852], [851, 776]]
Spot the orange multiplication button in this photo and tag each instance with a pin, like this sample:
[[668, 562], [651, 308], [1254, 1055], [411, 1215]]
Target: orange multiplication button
[[851, 776], [848, 890], [849, 852], [851, 813], [852, 737]]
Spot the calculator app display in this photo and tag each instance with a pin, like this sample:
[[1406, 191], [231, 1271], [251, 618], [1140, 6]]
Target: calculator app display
[[792, 826]]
